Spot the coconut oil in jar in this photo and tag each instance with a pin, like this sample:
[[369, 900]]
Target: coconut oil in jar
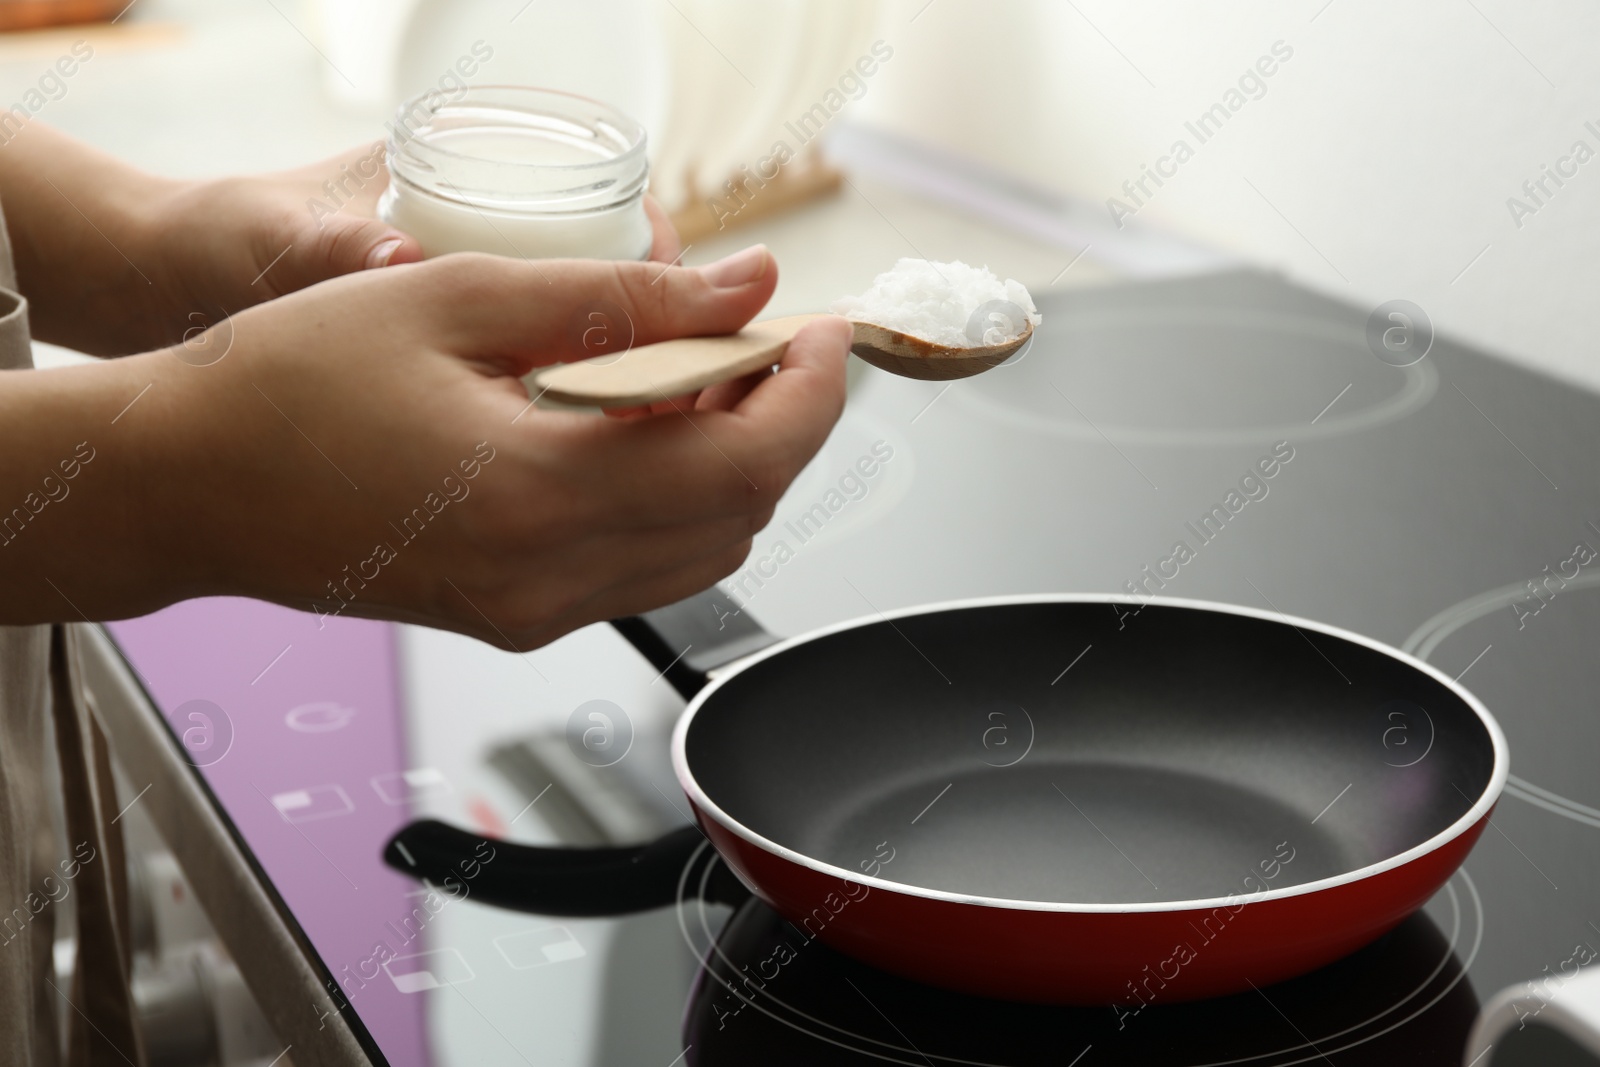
[[518, 171]]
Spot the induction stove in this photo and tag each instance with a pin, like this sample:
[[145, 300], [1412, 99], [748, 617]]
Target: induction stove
[[1436, 498]]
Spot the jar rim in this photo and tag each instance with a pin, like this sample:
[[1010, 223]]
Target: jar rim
[[618, 172]]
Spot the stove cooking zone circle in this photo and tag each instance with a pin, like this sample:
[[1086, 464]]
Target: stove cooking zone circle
[[1191, 376], [1514, 641], [763, 982]]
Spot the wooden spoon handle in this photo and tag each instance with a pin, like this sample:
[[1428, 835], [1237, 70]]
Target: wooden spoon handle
[[669, 368]]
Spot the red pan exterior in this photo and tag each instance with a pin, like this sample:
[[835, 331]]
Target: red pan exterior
[[1081, 957]]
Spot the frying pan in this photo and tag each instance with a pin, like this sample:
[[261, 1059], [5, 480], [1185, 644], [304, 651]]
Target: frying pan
[[1072, 799]]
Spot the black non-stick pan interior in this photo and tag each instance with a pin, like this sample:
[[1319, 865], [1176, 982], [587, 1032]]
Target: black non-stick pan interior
[[1074, 752]]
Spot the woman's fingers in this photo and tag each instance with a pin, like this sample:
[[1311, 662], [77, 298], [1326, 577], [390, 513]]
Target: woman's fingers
[[349, 243], [359, 174], [666, 587], [785, 419], [522, 592], [687, 402], [810, 375], [341, 235], [519, 315], [664, 244], [695, 465], [725, 396]]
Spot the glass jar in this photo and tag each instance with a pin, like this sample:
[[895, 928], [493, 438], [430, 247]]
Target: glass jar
[[518, 171]]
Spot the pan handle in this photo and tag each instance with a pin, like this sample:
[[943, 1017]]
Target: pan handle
[[687, 640], [684, 641], [578, 882]]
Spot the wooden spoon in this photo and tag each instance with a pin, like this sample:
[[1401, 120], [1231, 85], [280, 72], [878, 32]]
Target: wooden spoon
[[912, 357], [672, 368]]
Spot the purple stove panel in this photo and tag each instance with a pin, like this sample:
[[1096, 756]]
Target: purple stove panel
[[297, 725]]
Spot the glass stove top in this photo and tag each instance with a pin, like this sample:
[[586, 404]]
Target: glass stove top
[[1451, 508]]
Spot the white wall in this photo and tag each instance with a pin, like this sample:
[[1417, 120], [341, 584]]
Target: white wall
[[1390, 140]]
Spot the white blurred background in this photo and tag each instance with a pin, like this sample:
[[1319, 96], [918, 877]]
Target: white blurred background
[[1377, 164]]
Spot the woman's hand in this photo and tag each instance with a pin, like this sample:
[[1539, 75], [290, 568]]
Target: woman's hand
[[114, 260], [231, 243], [222, 245], [365, 448]]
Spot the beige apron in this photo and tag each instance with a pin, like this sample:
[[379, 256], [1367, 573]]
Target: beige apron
[[42, 708]]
